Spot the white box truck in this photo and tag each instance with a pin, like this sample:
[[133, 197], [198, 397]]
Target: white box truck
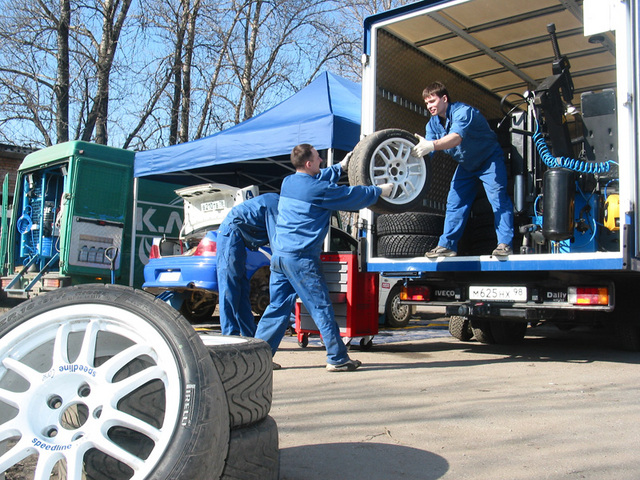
[[558, 80]]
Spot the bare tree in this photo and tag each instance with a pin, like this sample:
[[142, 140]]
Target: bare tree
[[114, 14], [170, 71]]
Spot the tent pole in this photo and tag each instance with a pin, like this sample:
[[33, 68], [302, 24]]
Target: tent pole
[[134, 227], [327, 239]]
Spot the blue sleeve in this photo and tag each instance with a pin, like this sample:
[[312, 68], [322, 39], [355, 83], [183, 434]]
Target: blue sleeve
[[354, 198], [330, 174]]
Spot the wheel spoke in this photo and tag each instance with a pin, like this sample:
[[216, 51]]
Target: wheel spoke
[[25, 371], [16, 454], [124, 387], [61, 344], [46, 462], [109, 368], [88, 350], [121, 419], [106, 446], [11, 398]]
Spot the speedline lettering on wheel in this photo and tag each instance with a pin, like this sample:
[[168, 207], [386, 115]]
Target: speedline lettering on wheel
[[187, 411], [75, 367], [51, 448]]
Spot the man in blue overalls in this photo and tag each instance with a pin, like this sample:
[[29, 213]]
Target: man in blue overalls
[[462, 132], [307, 199], [251, 224]]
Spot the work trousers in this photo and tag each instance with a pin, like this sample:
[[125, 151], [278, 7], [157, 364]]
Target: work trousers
[[464, 187], [234, 289], [293, 276]]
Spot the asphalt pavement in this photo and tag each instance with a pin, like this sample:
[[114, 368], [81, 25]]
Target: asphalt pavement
[[561, 405]]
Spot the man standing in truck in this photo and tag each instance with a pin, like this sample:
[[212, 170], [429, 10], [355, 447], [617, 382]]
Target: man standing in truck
[[462, 132], [307, 199], [250, 224]]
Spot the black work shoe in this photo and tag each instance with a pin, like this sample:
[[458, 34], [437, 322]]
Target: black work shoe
[[440, 252], [348, 366]]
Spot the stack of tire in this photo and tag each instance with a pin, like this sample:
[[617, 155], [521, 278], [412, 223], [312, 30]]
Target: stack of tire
[[104, 382], [409, 234]]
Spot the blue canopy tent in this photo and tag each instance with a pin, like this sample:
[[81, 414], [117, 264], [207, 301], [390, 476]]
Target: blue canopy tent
[[325, 114]]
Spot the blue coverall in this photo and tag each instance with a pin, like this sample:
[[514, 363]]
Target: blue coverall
[[304, 211], [250, 224], [480, 158]]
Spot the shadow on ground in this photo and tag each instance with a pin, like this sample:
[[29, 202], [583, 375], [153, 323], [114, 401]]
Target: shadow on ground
[[360, 461]]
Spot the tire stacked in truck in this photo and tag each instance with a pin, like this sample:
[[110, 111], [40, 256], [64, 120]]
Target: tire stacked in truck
[[409, 234], [104, 382]]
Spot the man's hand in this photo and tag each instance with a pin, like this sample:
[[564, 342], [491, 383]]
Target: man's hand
[[423, 147], [387, 189], [345, 161]]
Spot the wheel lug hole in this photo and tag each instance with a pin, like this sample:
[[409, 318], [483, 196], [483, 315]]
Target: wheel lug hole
[[84, 390], [50, 432], [54, 402]]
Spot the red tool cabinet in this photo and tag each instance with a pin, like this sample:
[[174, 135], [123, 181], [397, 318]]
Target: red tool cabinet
[[355, 300]]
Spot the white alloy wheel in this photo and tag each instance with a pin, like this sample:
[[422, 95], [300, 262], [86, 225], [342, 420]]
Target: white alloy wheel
[[105, 379], [385, 157]]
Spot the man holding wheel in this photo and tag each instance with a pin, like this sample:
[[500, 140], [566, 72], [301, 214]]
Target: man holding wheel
[[462, 132], [307, 199]]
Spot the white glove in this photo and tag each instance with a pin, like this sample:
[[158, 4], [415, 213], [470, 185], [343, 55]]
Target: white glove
[[387, 189], [423, 147], [345, 161]]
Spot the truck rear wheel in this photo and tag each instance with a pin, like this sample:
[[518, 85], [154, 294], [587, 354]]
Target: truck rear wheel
[[103, 381], [384, 157], [481, 330], [460, 328], [396, 315], [507, 332]]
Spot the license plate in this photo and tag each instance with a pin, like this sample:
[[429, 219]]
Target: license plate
[[498, 294], [169, 277], [212, 206]]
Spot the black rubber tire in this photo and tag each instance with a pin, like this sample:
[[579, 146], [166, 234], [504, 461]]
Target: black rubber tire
[[253, 452], [114, 331], [245, 366], [198, 306], [460, 328], [415, 223], [482, 330], [410, 175], [396, 315], [402, 246], [260, 290], [505, 332]]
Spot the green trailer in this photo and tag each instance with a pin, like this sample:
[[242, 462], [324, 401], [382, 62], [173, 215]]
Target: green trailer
[[79, 216]]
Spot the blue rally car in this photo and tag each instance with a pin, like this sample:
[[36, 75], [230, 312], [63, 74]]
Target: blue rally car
[[182, 270]]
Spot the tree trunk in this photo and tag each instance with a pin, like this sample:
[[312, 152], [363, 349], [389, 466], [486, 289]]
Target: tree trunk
[[61, 88]]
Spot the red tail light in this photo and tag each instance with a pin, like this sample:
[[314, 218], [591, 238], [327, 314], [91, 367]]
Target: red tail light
[[155, 252], [416, 293], [206, 248]]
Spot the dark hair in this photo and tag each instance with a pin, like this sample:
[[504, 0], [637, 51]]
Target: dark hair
[[438, 89], [301, 154]]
